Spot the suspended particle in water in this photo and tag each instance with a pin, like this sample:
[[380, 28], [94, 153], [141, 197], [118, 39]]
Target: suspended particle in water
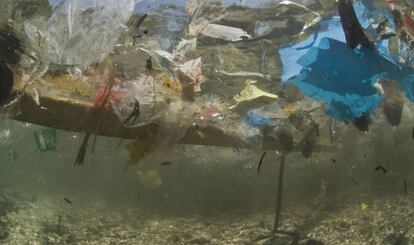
[[12, 155]]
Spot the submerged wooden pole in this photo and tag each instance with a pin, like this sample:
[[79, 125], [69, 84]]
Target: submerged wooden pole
[[279, 196], [76, 115]]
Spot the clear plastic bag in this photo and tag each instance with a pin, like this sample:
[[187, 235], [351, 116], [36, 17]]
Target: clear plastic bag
[[140, 103], [82, 32]]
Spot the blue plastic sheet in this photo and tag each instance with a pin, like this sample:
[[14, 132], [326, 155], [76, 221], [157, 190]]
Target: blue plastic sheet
[[292, 53], [343, 78], [325, 69]]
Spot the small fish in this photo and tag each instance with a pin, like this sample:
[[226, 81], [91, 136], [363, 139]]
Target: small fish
[[12, 155], [333, 160], [413, 133], [260, 162], [381, 168], [67, 200], [166, 163]]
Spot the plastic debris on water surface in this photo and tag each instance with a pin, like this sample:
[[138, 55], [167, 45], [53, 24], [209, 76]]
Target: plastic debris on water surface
[[308, 24], [81, 32], [320, 68], [187, 73], [347, 95], [290, 54], [46, 139]]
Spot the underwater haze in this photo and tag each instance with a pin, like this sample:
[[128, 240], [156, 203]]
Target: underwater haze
[[206, 122]]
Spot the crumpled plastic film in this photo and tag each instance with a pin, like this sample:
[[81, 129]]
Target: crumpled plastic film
[[82, 32], [140, 103], [209, 111]]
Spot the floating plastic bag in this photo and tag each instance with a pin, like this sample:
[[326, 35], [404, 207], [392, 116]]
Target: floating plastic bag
[[140, 104], [82, 32]]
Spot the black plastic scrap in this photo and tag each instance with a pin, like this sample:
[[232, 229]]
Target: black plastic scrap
[[136, 112], [166, 163], [354, 33], [260, 162], [80, 158], [67, 200], [381, 168]]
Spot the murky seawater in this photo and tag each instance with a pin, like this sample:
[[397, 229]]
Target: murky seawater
[[174, 187]]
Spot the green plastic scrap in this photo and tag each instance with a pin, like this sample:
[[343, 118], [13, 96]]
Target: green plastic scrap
[[46, 139]]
